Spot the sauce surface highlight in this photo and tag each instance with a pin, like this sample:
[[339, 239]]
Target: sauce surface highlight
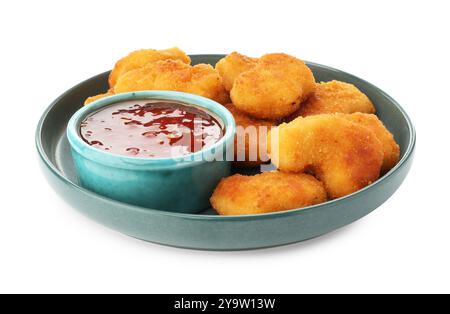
[[151, 129]]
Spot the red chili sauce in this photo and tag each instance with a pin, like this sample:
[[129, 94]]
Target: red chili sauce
[[151, 128]]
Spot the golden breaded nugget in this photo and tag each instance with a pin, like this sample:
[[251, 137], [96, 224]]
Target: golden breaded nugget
[[305, 75], [274, 88], [266, 193], [96, 97], [250, 143], [390, 147], [335, 97], [232, 66], [344, 155], [140, 58], [201, 79]]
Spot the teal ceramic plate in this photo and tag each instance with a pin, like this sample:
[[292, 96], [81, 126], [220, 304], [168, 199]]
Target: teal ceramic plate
[[207, 231]]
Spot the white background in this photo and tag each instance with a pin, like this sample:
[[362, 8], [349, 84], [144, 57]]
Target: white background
[[49, 46]]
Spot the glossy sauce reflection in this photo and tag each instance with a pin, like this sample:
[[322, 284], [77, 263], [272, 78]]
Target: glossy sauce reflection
[[152, 129]]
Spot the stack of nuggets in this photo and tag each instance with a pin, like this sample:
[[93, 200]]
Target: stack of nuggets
[[168, 69], [330, 139]]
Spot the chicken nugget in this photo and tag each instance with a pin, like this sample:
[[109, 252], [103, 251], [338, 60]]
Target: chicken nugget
[[97, 97], [250, 143], [296, 68], [232, 66], [207, 82], [335, 97], [344, 155], [140, 58], [391, 149], [174, 75], [266, 193], [274, 88]]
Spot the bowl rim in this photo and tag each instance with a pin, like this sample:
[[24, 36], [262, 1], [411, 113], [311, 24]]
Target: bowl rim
[[149, 211], [142, 163]]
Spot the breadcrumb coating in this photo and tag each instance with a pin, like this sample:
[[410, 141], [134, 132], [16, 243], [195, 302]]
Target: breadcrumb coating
[[335, 97], [140, 58], [344, 155], [391, 150], [271, 87], [232, 66], [251, 138], [266, 193], [175, 75], [97, 97]]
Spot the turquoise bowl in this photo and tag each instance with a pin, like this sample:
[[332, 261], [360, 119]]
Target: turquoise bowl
[[183, 184]]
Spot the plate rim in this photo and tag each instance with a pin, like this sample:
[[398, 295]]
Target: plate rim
[[408, 154]]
